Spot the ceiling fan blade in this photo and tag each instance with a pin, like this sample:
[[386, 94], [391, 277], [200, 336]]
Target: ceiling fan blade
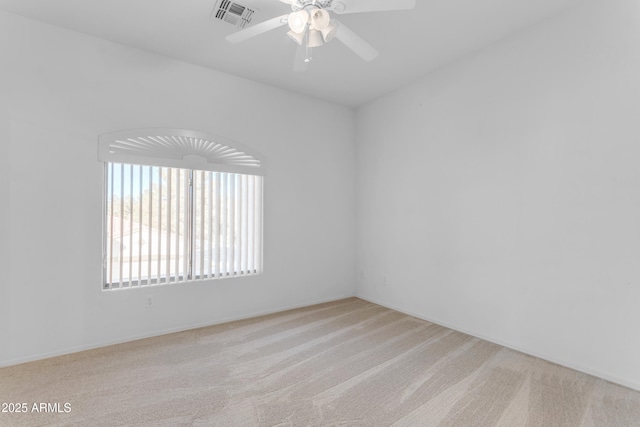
[[257, 29], [288, 1], [355, 43], [357, 6]]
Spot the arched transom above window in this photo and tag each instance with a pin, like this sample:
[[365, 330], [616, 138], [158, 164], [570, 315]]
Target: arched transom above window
[[180, 148]]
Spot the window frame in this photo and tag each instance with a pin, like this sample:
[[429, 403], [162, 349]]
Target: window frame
[[190, 152]]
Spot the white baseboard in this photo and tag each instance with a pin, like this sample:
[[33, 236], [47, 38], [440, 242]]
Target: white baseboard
[[575, 366], [71, 350]]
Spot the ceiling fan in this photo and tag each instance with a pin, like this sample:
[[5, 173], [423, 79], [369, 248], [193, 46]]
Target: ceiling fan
[[311, 24]]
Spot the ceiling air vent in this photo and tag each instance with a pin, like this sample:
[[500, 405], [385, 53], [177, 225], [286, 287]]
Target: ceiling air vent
[[233, 13]]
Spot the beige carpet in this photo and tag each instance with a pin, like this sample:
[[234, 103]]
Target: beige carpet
[[346, 363]]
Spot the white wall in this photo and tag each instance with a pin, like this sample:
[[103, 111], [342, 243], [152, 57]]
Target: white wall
[[4, 221], [65, 90], [501, 195]]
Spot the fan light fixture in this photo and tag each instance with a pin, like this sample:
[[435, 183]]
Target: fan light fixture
[[298, 21], [314, 23], [315, 38], [320, 18], [296, 37], [329, 32]]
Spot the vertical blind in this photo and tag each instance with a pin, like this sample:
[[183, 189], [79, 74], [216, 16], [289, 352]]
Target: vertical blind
[[168, 225]]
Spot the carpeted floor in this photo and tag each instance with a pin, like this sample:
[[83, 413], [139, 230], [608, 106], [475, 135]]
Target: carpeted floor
[[345, 363]]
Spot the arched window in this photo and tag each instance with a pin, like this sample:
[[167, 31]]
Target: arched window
[[180, 206]]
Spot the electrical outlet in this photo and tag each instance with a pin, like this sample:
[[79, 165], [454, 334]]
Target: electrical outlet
[[149, 301]]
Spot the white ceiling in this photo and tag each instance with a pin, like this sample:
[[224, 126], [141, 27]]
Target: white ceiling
[[411, 43]]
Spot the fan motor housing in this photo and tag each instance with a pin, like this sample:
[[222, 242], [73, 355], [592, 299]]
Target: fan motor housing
[[301, 4]]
